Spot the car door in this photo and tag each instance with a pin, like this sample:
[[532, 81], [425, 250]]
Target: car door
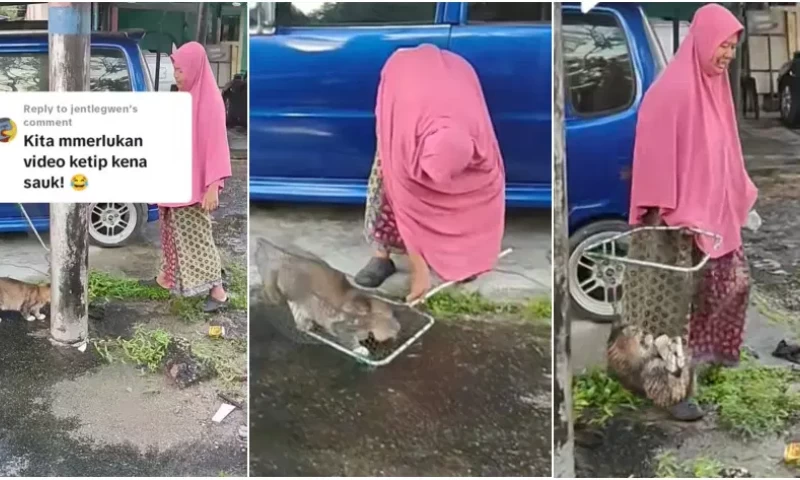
[[313, 83], [24, 69], [603, 91], [509, 45]]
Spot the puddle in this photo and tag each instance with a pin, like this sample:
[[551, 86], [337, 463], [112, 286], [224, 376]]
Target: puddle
[[469, 398]]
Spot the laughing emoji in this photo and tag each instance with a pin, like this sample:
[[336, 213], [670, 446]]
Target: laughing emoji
[[8, 130], [79, 182]]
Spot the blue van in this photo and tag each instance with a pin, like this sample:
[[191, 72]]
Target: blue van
[[314, 73], [611, 56], [117, 65]]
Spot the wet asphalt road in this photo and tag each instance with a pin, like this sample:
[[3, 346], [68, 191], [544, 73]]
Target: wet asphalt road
[[471, 398], [33, 442]]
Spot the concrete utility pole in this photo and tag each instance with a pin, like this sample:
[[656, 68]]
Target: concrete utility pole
[[563, 435], [201, 23], [69, 29]]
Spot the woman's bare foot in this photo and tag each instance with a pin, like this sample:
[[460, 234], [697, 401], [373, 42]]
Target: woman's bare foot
[[219, 294], [420, 277], [161, 280]]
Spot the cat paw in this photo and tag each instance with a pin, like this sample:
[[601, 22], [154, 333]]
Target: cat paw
[[361, 350], [41, 316], [30, 318]]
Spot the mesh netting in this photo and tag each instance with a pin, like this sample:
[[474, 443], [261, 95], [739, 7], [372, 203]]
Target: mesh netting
[[413, 323]]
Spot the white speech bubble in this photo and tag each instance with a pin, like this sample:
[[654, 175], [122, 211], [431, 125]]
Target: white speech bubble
[[129, 147], [586, 6]]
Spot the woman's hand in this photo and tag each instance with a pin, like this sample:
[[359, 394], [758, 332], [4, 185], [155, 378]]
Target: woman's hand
[[211, 198]]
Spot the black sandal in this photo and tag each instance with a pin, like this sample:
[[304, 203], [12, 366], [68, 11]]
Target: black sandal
[[376, 271], [152, 283], [213, 305], [687, 411]]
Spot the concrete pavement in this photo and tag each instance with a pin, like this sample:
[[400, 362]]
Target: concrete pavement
[[335, 234]]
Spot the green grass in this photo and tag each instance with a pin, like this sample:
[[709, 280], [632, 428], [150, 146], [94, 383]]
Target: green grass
[[106, 286], [668, 466], [237, 287], [597, 398], [228, 358], [453, 304], [147, 348], [751, 400]]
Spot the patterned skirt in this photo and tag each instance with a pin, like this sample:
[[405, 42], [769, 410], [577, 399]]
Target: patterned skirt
[[190, 259], [707, 309], [380, 227]]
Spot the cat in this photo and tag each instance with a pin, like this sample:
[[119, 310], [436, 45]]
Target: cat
[[316, 293], [656, 368], [26, 298]]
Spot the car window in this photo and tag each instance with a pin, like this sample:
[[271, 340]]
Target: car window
[[508, 12], [302, 14], [28, 72], [597, 61]]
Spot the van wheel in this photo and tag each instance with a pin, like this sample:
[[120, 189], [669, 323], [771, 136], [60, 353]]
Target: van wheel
[[596, 285], [113, 225], [789, 108]]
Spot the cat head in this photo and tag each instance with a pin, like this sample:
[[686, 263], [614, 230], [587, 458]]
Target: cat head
[[375, 315]]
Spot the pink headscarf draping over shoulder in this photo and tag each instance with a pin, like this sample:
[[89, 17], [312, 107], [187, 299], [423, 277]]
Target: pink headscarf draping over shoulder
[[688, 158], [211, 157], [441, 165]]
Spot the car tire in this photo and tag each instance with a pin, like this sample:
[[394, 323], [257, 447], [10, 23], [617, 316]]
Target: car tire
[[114, 225], [584, 295], [229, 120], [789, 104]]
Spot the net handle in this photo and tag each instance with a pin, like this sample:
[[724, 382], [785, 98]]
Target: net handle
[[642, 263]]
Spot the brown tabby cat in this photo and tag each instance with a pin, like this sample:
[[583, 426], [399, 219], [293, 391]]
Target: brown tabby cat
[[26, 298], [318, 293]]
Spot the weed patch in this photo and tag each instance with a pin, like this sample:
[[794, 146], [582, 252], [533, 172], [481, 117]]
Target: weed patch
[[146, 348], [751, 400], [448, 305], [103, 285], [668, 466], [597, 398], [228, 358]]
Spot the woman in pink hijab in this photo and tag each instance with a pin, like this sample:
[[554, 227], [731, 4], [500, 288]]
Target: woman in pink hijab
[[190, 263], [688, 171], [437, 188]]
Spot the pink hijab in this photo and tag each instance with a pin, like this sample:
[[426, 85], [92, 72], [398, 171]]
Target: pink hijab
[[441, 165], [688, 158], [211, 158]]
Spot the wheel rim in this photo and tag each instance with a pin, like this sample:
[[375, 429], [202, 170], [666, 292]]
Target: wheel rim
[[112, 223], [594, 284], [786, 101]]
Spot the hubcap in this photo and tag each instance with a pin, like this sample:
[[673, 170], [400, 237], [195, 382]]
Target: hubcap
[[786, 101], [596, 284], [112, 222]]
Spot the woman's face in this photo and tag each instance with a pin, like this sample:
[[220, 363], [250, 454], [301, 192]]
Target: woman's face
[[725, 53], [179, 77]]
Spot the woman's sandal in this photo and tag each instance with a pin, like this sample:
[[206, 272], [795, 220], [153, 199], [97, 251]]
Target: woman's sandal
[[686, 411], [213, 305], [151, 283], [375, 272]]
